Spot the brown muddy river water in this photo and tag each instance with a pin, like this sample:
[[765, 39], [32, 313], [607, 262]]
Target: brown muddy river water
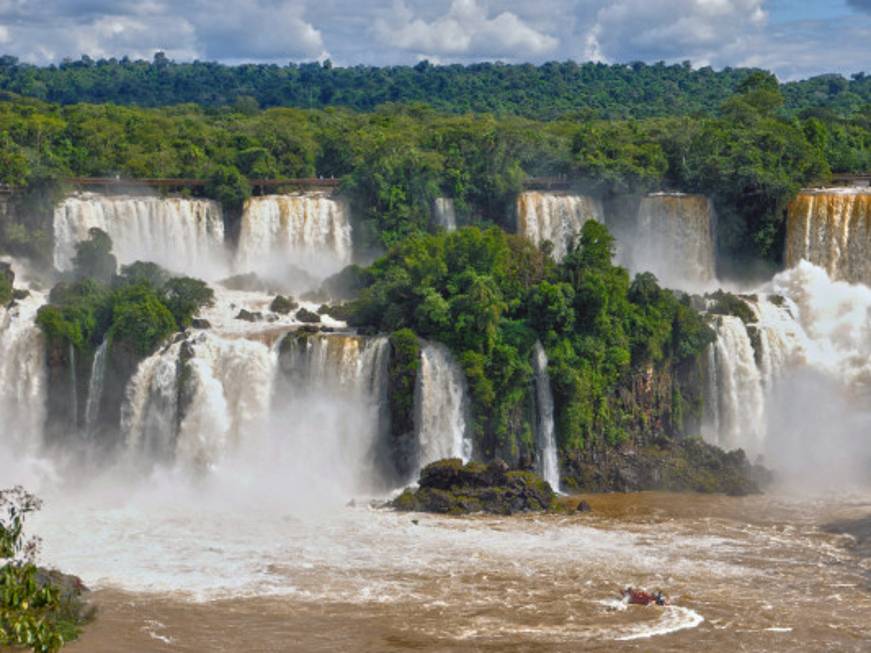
[[744, 574]]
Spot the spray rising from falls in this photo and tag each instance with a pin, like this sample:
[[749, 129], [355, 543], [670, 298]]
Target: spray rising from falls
[[22, 375], [196, 401], [311, 231], [548, 460], [333, 391], [832, 229], [182, 235], [440, 407], [673, 237], [557, 218], [444, 214], [794, 382]]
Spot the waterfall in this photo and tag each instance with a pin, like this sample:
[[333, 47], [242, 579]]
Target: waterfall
[[227, 384], [555, 217], [149, 415], [673, 237], [332, 392], [440, 407], [22, 374], [182, 235], [231, 383], [95, 388], [798, 375], [832, 228], [743, 368], [741, 419], [74, 389], [311, 231], [444, 214], [548, 460]]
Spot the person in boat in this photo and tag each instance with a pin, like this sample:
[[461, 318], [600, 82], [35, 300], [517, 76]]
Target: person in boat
[[635, 596]]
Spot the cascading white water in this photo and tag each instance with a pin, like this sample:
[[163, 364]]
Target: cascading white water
[[555, 217], [832, 228], [548, 457], [673, 237], [311, 231], [22, 375], [180, 234], [741, 400], [795, 382], [231, 390], [440, 407], [149, 415], [228, 383], [331, 409], [444, 214], [95, 388]]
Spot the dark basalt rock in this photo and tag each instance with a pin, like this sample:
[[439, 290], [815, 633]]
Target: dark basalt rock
[[200, 323], [583, 506], [283, 305], [19, 293], [674, 465], [304, 315], [450, 487], [248, 316]]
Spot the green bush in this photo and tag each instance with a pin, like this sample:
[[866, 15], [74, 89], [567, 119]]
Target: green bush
[[33, 611]]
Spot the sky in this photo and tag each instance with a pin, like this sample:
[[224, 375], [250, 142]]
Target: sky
[[793, 38]]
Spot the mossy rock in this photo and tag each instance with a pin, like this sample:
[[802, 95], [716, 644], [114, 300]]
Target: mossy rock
[[283, 305], [450, 487], [725, 303], [305, 315]]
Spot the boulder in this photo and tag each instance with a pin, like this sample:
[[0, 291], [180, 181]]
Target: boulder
[[283, 305], [200, 323], [248, 316], [450, 487], [304, 315]]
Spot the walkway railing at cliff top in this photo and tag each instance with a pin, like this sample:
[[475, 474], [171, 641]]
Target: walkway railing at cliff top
[[175, 182]]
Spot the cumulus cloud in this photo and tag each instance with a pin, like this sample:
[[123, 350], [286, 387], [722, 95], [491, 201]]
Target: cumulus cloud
[[707, 32], [466, 28], [250, 30], [698, 30]]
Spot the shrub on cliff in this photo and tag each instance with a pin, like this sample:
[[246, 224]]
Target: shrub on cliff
[[36, 611]]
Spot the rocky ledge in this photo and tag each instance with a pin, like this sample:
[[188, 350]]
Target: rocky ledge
[[673, 465], [448, 486]]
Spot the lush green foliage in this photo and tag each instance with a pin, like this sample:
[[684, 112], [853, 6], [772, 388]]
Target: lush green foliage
[[553, 89], [7, 278], [489, 296], [395, 161], [139, 308], [32, 613]]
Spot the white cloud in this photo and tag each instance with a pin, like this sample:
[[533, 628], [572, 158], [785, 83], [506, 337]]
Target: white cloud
[[466, 29], [715, 32]]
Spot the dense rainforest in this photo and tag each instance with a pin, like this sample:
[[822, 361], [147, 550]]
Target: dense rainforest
[[595, 90], [750, 157]]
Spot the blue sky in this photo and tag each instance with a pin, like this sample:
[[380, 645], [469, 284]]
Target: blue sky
[[794, 38]]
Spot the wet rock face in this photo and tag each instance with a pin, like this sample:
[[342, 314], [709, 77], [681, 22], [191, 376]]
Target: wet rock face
[[304, 315], [447, 486], [248, 316], [682, 465], [282, 305]]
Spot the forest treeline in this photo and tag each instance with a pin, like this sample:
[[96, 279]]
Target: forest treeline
[[394, 161], [548, 91]]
